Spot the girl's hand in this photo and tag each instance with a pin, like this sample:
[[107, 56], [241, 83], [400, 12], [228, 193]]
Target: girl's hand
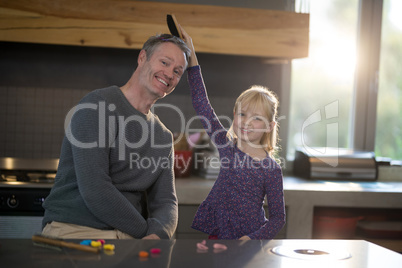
[[245, 237], [193, 61]]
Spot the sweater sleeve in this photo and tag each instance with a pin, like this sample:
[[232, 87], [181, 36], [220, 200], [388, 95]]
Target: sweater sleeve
[[162, 204], [276, 207], [202, 106], [91, 163]]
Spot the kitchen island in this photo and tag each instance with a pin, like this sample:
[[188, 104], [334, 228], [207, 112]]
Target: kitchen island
[[184, 253]]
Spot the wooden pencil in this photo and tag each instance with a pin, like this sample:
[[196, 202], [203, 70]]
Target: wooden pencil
[[61, 243]]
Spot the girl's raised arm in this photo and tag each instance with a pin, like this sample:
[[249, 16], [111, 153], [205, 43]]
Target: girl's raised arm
[[187, 39]]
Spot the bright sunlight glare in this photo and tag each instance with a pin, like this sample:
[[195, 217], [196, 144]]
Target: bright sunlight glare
[[332, 50], [395, 13], [336, 58]]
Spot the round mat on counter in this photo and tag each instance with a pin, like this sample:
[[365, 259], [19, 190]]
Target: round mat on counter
[[311, 254]]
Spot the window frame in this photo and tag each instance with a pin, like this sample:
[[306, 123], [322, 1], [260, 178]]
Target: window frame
[[364, 117]]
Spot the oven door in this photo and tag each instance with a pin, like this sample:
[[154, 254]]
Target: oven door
[[20, 226], [21, 211]]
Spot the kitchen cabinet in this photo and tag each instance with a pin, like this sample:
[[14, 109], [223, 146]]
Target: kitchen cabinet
[[127, 24], [184, 231], [360, 223]]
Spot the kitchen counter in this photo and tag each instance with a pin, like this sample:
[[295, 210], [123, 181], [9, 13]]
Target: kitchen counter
[[301, 196], [184, 253]]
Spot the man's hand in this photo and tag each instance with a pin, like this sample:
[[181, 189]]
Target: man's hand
[[151, 236], [245, 237]]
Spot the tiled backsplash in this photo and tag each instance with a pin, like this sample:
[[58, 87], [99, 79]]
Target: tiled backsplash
[[32, 119], [40, 83]]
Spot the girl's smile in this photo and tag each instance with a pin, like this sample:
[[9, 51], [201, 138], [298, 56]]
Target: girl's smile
[[250, 125]]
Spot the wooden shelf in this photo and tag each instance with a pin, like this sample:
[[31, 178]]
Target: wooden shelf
[[127, 24]]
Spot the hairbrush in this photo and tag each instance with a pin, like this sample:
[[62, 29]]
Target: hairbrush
[[173, 25]]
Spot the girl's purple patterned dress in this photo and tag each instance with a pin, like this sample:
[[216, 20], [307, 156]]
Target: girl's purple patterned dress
[[234, 207]]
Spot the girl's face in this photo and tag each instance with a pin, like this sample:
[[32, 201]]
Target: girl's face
[[250, 125]]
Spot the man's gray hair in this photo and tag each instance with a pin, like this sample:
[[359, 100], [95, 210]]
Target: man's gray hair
[[154, 41]]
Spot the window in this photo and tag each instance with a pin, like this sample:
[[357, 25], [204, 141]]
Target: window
[[322, 84], [388, 139], [347, 93]]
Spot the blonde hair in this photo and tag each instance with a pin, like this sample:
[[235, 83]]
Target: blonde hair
[[262, 99]]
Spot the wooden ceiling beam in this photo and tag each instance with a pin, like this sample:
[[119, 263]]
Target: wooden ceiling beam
[[127, 24]]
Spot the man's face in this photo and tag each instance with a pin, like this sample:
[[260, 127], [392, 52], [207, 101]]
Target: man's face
[[160, 74]]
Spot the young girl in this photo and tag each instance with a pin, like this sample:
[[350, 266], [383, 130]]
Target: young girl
[[248, 173]]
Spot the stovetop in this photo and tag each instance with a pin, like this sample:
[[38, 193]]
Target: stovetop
[[18, 176], [26, 180], [25, 172]]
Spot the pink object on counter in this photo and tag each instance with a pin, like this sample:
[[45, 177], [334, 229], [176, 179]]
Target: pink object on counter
[[202, 245], [220, 246], [203, 248], [155, 250]]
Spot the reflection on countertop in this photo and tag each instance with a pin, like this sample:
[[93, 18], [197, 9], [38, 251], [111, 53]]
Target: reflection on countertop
[[183, 253]]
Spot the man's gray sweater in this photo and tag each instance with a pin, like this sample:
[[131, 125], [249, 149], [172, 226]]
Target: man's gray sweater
[[115, 170]]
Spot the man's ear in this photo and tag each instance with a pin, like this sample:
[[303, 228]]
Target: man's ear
[[142, 57]]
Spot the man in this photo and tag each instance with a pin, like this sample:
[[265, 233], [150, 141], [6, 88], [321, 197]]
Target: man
[[115, 176]]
